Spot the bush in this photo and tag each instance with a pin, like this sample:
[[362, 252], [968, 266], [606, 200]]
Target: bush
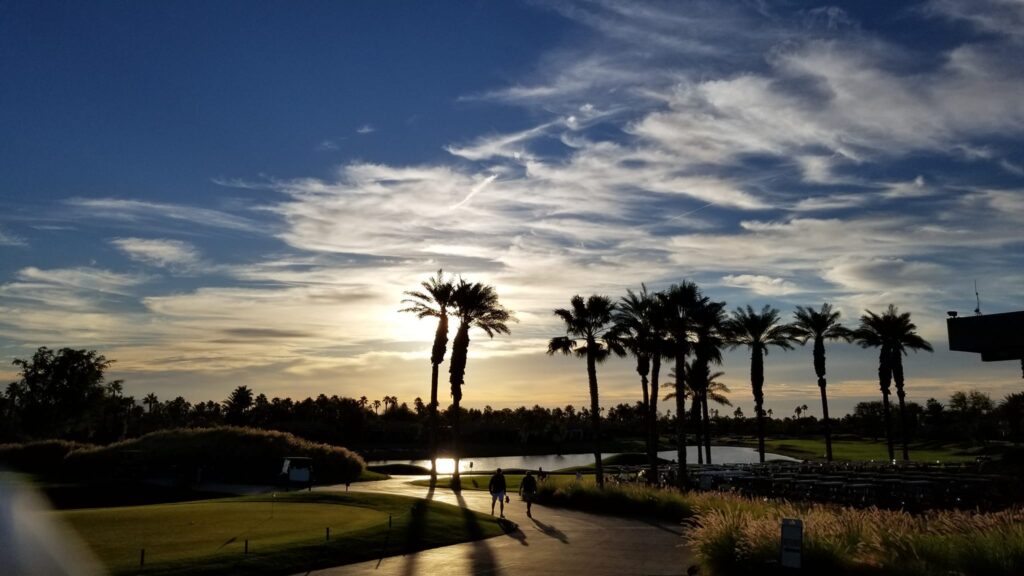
[[44, 457], [225, 454]]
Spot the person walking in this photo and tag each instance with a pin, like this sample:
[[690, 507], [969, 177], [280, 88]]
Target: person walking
[[527, 489], [497, 488]]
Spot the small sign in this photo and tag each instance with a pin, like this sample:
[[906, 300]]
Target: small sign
[[792, 542]]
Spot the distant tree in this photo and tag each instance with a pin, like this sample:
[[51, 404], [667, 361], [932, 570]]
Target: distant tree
[[820, 325], [476, 305], [60, 394], [434, 301], [1011, 412], [237, 405], [151, 402], [589, 334], [376, 406], [757, 331], [738, 413]]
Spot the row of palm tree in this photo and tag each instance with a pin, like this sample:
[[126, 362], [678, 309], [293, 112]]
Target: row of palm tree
[[682, 324], [473, 304], [679, 323]]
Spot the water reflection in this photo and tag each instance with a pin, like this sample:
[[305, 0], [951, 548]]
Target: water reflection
[[551, 462]]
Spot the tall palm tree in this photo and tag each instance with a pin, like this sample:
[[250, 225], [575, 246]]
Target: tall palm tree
[[820, 325], [708, 325], [476, 305], [589, 334], [635, 326], [679, 302], [433, 301], [893, 334], [757, 331]]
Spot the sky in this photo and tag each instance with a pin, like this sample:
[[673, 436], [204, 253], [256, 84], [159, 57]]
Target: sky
[[225, 194]]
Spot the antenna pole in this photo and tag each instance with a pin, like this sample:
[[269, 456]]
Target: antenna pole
[[977, 298]]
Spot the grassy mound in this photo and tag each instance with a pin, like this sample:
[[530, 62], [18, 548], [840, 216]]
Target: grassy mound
[[224, 454], [286, 534], [44, 457]]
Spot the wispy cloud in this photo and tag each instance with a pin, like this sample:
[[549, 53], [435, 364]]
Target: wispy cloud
[[142, 211], [365, 129], [159, 252], [8, 239]]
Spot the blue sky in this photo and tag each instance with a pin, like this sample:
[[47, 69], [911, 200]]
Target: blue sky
[[216, 195]]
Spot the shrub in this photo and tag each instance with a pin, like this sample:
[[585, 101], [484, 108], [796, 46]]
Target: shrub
[[226, 454], [43, 457]]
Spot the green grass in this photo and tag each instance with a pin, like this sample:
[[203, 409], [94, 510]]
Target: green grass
[[286, 534], [859, 449]]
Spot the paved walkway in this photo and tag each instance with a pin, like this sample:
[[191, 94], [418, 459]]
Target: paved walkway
[[555, 541]]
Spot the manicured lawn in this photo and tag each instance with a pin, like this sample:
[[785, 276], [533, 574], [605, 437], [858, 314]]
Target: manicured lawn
[[286, 534], [861, 450]]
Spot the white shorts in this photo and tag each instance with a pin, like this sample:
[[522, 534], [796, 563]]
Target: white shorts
[[496, 496]]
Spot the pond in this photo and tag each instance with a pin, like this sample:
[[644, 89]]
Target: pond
[[551, 462]]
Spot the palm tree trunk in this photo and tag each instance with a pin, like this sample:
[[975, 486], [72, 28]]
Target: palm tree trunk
[[433, 422], [595, 416], [884, 380], [757, 385], [681, 417], [698, 433], [646, 407], [707, 426], [457, 370], [897, 375], [828, 428], [456, 478], [652, 422]]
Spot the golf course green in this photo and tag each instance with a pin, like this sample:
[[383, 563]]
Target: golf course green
[[270, 534]]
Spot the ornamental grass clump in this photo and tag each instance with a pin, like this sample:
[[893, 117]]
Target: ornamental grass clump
[[732, 538]]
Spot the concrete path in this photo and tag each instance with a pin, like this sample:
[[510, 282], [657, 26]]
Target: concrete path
[[555, 541]]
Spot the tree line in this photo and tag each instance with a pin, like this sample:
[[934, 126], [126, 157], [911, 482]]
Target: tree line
[[63, 394]]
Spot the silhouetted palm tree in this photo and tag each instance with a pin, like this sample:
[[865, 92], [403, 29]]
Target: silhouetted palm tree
[[476, 305], [708, 324], [820, 325], [710, 388], [757, 331], [589, 334], [637, 327], [433, 302], [893, 334], [679, 302]]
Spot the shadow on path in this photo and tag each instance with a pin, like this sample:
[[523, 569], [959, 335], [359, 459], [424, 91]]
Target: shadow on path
[[482, 556], [551, 531], [415, 531], [661, 526]]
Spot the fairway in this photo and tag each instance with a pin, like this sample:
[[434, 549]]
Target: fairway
[[284, 533]]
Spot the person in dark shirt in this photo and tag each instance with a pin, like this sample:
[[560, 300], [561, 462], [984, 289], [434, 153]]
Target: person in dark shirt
[[527, 489], [497, 489]]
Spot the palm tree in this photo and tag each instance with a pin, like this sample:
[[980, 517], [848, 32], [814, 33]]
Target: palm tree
[[679, 303], [476, 305], [589, 334], [637, 327], [893, 334], [757, 331], [710, 389], [433, 302], [708, 324], [151, 401], [820, 325]]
